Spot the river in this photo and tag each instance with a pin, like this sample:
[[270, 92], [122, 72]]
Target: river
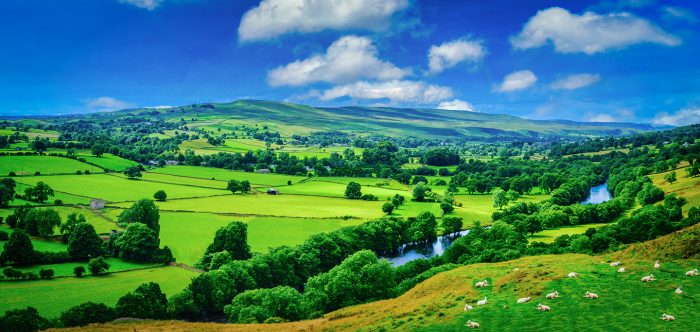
[[598, 194]]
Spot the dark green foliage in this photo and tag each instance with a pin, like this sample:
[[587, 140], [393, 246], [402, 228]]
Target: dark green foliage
[[451, 224], [88, 313], [420, 192], [133, 172], [11, 273], [232, 239], [259, 305], [18, 250], [84, 242], [138, 242], [160, 195], [245, 186], [446, 207], [397, 200], [40, 222], [23, 320], [147, 301], [143, 211], [46, 273], [233, 186], [353, 190], [388, 208], [69, 225], [39, 193], [423, 227], [97, 266], [440, 157], [650, 194], [4, 236], [7, 191], [78, 271]]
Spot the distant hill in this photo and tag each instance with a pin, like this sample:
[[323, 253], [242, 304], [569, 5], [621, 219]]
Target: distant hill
[[290, 118]]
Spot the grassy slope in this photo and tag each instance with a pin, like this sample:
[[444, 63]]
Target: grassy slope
[[27, 165], [685, 187]]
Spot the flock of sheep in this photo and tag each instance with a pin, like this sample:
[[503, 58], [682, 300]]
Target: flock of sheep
[[588, 295]]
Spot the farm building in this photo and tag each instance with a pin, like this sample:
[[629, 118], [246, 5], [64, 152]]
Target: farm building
[[272, 191], [97, 203]]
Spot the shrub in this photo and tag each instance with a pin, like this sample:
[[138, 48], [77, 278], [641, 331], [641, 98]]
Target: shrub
[[12, 174], [97, 266], [23, 320], [46, 273], [87, 313], [160, 195], [4, 236], [79, 271], [11, 273], [58, 202]]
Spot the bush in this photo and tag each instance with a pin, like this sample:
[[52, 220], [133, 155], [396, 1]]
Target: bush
[[388, 208], [23, 320], [87, 313], [58, 202], [11, 273], [147, 301], [46, 273], [369, 197], [160, 195], [97, 266], [4, 236], [79, 271], [30, 276], [12, 174]]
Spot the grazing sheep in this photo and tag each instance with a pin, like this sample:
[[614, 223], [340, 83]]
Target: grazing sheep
[[552, 296], [613, 264], [542, 307], [679, 290], [481, 284], [667, 318], [482, 302], [573, 274], [692, 273], [473, 325], [621, 270], [516, 269], [648, 278], [524, 299], [657, 265], [468, 307], [590, 295]]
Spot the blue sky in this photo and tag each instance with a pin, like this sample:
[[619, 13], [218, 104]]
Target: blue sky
[[626, 60]]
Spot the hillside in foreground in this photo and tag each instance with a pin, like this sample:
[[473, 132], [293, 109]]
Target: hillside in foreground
[[437, 304]]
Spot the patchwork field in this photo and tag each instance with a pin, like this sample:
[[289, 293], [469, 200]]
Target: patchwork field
[[28, 165], [222, 174], [109, 161], [684, 186]]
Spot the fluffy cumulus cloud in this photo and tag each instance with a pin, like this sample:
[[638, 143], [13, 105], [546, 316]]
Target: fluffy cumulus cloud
[[396, 91], [348, 59], [272, 18], [449, 54], [573, 82], [517, 80], [457, 105], [106, 104], [589, 32], [145, 4], [684, 117]]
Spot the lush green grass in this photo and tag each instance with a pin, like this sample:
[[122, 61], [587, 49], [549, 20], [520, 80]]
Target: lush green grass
[[66, 269], [27, 165], [51, 297], [548, 235], [685, 186], [63, 196], [333, 189], [39, 245], [109, 161], [32, 133], [182, 180], [222, 174]]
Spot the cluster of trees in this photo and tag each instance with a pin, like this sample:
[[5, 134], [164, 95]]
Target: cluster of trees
[[141, 239], [235, 186]]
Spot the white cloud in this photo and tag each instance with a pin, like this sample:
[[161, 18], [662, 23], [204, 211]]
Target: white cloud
[[589, 32], [683, 117], [395, 91], [107, 104], [272, 18], [678, 13], [599, 117], [348, 59], [573, 82], [517, 80], [457, 105], [145, 4], [449, 54]]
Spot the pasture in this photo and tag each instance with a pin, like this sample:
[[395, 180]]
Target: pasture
[[685, 186], [223, 174], [108, 161], [39, 245], [28, 165], [548, 235]]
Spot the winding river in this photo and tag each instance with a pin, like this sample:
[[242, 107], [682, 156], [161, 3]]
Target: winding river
[[598, 194]]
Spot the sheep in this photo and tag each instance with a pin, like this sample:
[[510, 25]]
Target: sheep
[[552, 296], [679, 290], [667, 318], [516, 269], [482, 302], [473, 325], [648, 278], [542, 307], [572, 275], [524, 299], [614, 264], [692, 273], [468, 307], [590, 295], [657, 265], [621, 270], [481, 284]]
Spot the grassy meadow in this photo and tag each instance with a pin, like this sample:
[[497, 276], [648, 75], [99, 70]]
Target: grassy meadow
[[28, 165]]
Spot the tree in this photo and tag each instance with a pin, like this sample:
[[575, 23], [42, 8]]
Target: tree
[[245, 186], [420, 191], [533, 225], [72, 221], [423, 227], [23, 320], [500, 199], [650, 194], [353, 190], [97, 149], [40, 222], [138, 242], [84, 242], [46, 273], [388, 208], [39, 193], [160, 195], [143, 211], [133, 172], [97, 266], [79, 271], [147, 302], [18, 250], [260, 305], [693, 170], [88, 313], [7, 191], [670, 177], [233, 186], [397, 200], [233, 238], [451, 224], [446, 207], [512, 195]]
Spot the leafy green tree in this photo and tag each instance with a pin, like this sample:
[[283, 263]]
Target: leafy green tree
[[233, 238], [41, 222], [23, 320], [160, 195], [500, 199], [133, 172], [420, 192], [353, 190], [423, 227], [259, 305], [670, 177], [143, 211], [650, 194], [451, 224], [512, 195], [87, 313], [18, 250], [388, 208], [84, 242], [73, 220], [138, 242], [46, 273], [98, 266], [233, 186], [533, 225], [7, 191], [97, 149], [39, 193], [147, 301], [245, 186], [78, 271], [446, 207]]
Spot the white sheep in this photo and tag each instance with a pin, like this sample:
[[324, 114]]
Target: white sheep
[[614, 264], [542, 307], [468, 307], [667, 318], [679, 290], [482, 302], [524, 299], [657, 265], [473, 325], [552, 296], [481, 284], [516, 269], [648, 278], [573, 274], [621, 270], [692, 273], [590, 295]]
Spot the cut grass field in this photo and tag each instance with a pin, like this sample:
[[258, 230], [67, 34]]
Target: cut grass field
[[109, 161], [51, 297], [28, 165], [223, 174], [548, 235], [66, 269], [685, 186], [38, 244]]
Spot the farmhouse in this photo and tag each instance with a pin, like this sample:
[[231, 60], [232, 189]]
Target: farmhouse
[[97, 203], [263, 170]]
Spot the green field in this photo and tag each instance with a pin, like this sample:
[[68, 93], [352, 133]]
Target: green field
[[222, 174], [319, 187], [66, 269], [51, 297], [27, 165], [548, 235], [32, 133], [109, 161], [39, 245], [685, 186]]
